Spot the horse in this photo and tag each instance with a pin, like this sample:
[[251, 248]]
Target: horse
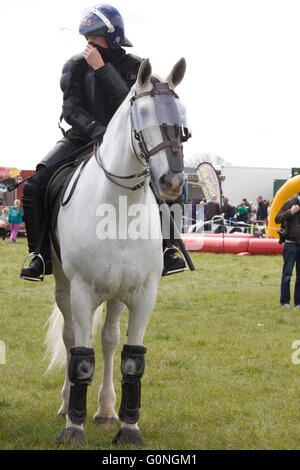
[[103, 258]]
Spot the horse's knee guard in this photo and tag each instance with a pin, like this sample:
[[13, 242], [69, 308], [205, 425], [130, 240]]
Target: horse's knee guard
[[132, 368], [81, 371]]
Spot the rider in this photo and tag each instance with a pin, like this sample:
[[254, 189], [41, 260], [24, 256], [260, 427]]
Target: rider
[[94, 84]]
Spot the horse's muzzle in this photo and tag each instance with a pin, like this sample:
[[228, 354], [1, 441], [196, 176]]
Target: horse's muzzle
[[170, 185]]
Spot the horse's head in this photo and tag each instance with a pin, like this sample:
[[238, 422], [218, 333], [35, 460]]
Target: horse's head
[[159, 123]]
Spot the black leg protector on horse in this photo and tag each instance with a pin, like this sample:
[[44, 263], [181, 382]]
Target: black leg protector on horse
[[81, 371], [132, 368]]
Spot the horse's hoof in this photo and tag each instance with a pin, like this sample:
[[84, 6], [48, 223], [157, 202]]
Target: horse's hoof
[[72, 435], [127, 436], [105, 420]]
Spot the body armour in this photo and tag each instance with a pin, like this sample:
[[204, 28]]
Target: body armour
[[90, 98]]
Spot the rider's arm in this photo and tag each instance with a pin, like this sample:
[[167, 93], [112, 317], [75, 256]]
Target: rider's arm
[[73, 98], [112, 84]]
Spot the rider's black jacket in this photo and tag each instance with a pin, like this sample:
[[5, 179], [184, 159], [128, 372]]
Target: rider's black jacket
[[90, 98]]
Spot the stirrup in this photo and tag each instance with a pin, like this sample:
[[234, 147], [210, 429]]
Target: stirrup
[[35, 279], [173, 271]]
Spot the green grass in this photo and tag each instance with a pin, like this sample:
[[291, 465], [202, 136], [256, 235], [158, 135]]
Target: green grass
[[219, 371]]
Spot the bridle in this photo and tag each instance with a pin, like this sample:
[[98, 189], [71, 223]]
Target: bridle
[[173, 137]]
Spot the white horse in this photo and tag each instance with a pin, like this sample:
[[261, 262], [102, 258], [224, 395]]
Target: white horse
[[118, 268]]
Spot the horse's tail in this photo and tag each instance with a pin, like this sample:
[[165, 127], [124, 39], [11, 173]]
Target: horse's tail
[[55, 346]]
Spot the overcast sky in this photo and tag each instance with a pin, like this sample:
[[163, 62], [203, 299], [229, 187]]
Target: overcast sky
[[241, 89]]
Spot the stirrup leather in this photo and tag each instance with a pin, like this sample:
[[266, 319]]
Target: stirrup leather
[[36, 279], [173, 271]]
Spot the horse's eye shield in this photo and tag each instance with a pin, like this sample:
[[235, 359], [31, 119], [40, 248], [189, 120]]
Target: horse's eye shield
[[152, 111]]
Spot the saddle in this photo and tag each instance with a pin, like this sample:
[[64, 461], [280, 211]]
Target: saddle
[[55, 192]]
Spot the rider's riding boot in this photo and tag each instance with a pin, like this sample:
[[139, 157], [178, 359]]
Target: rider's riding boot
[[41, 263], [172, 263]]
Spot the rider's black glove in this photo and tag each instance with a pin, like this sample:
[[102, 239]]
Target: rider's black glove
[[98, 132]]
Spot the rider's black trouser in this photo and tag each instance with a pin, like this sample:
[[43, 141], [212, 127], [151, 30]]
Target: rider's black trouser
[[34, 191]]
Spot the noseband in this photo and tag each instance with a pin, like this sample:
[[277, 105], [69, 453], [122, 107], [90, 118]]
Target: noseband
[[173, 136]]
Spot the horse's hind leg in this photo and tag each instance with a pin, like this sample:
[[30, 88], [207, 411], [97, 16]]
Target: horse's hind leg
[[132, 367], [110, 338], [82, 362]]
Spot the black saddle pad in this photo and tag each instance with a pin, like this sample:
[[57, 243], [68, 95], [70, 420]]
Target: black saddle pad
[[56, 189]]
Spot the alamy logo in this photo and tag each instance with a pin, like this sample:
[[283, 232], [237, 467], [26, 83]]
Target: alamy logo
[[123, 221], [296, 354], [2, 352]]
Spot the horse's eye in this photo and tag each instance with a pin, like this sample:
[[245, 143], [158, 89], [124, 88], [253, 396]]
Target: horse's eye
[[143, 112]]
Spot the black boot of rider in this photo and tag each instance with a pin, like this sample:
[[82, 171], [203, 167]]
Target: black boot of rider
[[41, 264], [37, 269], [173, 260]]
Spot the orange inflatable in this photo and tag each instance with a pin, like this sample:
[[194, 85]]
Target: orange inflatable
[[288, 190]]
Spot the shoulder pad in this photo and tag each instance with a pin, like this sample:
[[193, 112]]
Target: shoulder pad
[[134, 59], [74, 64], [133, 63], [77, 58]]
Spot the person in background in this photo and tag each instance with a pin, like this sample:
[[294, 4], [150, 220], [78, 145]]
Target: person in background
[[212, 208], [261, 214], [4, 223], [15, 218], [289, 218], [243, 213], [247, 205], [252, 215], [227, 209]]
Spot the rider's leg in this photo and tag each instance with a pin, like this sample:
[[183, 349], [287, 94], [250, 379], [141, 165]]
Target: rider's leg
[[34, 210], [172, 262]]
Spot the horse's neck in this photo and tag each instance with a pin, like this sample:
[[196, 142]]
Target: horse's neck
[[118, 157]]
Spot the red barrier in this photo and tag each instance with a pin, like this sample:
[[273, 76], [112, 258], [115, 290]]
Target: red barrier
[[260, 246], [212, 243]]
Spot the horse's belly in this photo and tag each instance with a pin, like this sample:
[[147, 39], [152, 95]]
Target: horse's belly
[[115, 268]]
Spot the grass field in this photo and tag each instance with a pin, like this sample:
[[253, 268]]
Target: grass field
[[219, 371]]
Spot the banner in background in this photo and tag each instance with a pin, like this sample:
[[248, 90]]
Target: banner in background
[[212, 187], [8, 172]]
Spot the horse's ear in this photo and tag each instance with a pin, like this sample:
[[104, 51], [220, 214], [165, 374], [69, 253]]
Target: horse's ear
[[145, 73], [177, 73]]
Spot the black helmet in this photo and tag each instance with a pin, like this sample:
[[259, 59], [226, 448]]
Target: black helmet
[[104, 20]]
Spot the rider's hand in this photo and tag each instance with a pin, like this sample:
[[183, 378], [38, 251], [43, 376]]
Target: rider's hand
[[93, 57], [295, 209], [98, 132]]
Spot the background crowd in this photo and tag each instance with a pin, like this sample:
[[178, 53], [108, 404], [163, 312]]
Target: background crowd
[[10, 221]]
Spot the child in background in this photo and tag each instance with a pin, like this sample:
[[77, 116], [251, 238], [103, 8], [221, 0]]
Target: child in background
[[4, 223], [15, 219]]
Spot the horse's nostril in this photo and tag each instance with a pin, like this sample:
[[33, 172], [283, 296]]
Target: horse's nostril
[[163, 180], [171, 181]]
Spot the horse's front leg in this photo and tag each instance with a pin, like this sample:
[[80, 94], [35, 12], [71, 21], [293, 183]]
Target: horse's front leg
[[132, 368], [110, 338], [81, 364], [62, 296]]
